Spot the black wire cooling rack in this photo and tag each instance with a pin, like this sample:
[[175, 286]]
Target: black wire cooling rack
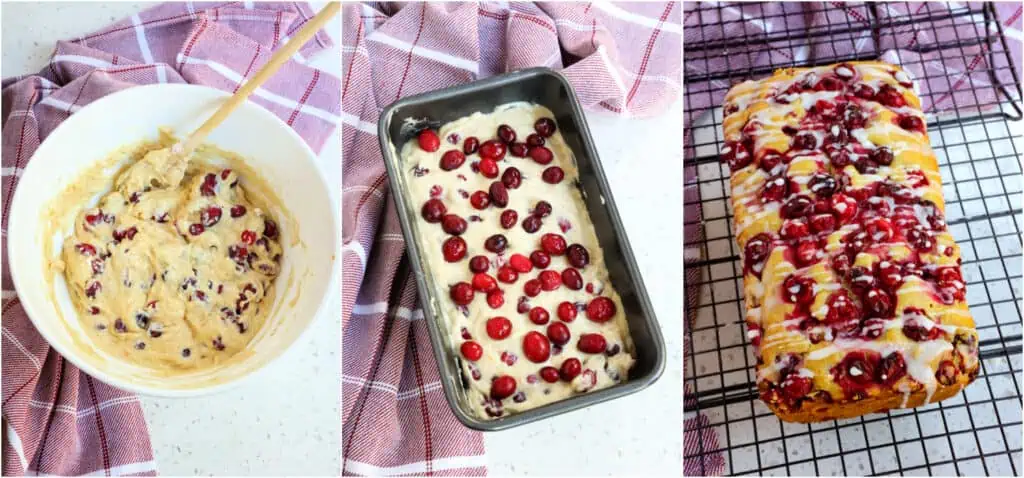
[[979, 431]]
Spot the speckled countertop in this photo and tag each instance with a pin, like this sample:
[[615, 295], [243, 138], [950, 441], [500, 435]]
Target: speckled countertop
[[262, 426]]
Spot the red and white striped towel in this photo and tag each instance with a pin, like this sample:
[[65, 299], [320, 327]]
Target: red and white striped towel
[[58, 420], [621, 58]]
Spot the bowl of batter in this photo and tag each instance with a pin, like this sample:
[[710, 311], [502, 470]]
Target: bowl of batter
[[170, 277]]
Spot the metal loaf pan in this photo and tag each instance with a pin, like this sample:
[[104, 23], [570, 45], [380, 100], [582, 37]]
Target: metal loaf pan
[[399, 123]]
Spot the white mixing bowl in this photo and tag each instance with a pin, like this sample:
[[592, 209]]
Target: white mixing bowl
[[268, 145]]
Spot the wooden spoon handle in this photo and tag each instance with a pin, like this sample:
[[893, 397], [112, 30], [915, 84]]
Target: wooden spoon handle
[[276, 61]]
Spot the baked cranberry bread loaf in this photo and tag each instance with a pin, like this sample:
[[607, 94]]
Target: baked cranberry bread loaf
[[520, 276], [855, 301]]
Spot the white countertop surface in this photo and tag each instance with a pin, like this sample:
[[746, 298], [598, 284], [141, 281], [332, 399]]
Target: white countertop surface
[[283, 420], [265, 427]]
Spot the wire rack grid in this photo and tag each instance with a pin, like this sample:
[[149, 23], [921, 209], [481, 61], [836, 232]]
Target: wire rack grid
[[977, 138]]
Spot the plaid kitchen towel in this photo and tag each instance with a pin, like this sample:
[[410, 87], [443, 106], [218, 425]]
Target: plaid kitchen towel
[[951, 80], [58, 420], [620, 58]]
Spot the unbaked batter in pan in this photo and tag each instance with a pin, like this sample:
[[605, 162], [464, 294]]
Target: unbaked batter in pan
[[509, 244]]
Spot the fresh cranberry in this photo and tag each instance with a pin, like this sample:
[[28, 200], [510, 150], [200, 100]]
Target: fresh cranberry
[[495, 298], [890, 96], [912, 123], [507, 275], [553, 175], [248, 237], [531, 224], [509, 358], [508, 218], [540, 259], [270, 228], [483, 282], [428, 140], [453, 224], [518, 150], [601, 309], [479, 264], [567, 311], [452, 159], [523, 306], [592, 343], [891, 368], [195, 229], [470, 145], [499, 328], [454, 249], [496, 243], [570, 369], [432, 210], [86, 249], [461, 293], [553, 244], [536, 346], [539, 315], [549, 374], [503, 387], [492, 149], [511, 178], [520, 263], [488, 168], [841, 264], [577, 255], [535, 139], [541, 155], [532, 287], [472, 351], [209, 186], [797, 206], [549, 280], [544, 127], [541, 209], [506, 133], [480, 200], [572, 279], [498, 193], [774, 189]]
